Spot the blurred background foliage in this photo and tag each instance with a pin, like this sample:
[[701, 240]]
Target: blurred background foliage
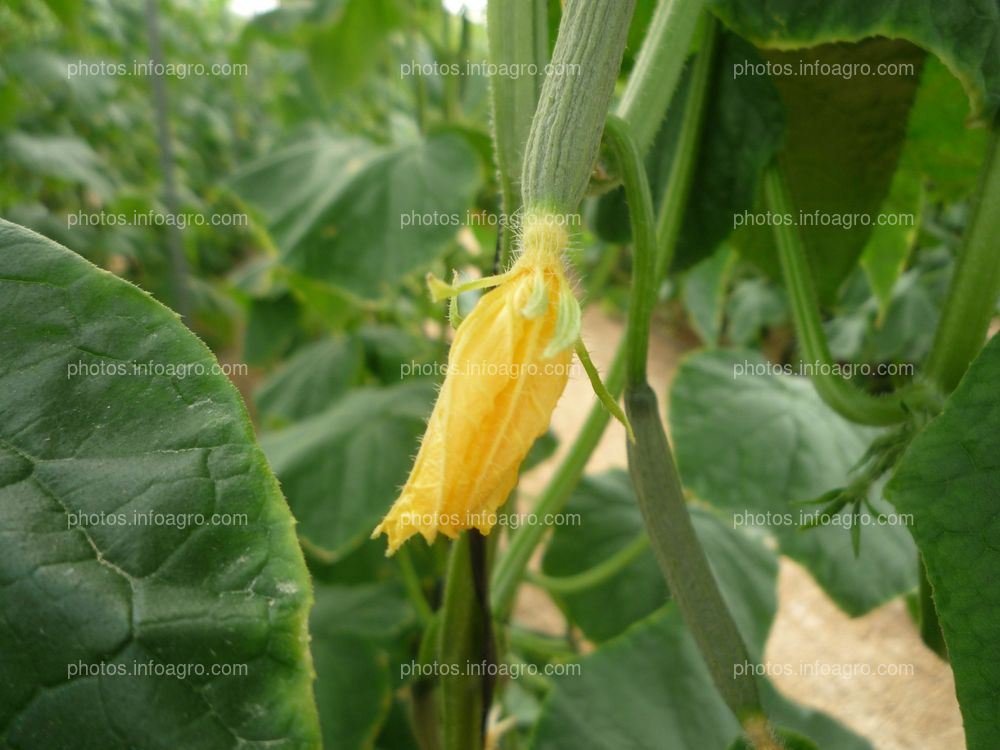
[[344, 142]]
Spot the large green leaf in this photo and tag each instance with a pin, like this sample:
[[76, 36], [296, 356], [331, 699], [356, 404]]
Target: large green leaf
[[743, 128], [342, 469], [963, 34], [649, 688], [949, 480], [751, 443], [361, 217], [845, 134], [609, 521], [86, 442]]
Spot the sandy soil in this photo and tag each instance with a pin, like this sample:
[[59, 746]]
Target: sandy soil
[[914, 709]]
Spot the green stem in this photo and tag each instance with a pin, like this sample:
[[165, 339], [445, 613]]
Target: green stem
[[972, 296], [658, 67], [847, 400], [594, 576], [517, 31], [640, 203], [461, 697], [681, 175], [565, 132], [411, 582], [449, 90], [651, 466], [511, 566], [540, 645], [681, 557], [424, 715]]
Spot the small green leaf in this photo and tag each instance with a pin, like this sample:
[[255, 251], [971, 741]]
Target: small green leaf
[[941, 161], [272, 327], [344, 52], [64, 157], [705, 294]]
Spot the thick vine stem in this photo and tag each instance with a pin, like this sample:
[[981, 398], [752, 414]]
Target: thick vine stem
[[847, 400], [658, 67], [681, 557], [972, 296], [459, 638], [640, 204], [651, 467], [517, 31], [678, 187], [565, 132]]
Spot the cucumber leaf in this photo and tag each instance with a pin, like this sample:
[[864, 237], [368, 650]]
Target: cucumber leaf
[[964, 35], [949, 480], [135, 617], [751, 442]]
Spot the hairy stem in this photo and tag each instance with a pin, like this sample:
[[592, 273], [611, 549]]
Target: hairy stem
[[565, 132], [678, 187], [518, 36], [658, 67], [972, 296], [651, 467]]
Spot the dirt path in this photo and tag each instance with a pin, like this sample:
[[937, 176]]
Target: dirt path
[[914, 709]]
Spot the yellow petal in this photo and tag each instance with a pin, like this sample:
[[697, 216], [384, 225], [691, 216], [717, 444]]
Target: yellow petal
[[497, 398]]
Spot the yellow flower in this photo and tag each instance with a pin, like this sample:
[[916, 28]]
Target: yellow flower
[[507, 368]]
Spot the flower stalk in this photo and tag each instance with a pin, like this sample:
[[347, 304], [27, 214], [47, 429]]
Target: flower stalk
[[654, 475], [653, 80]]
